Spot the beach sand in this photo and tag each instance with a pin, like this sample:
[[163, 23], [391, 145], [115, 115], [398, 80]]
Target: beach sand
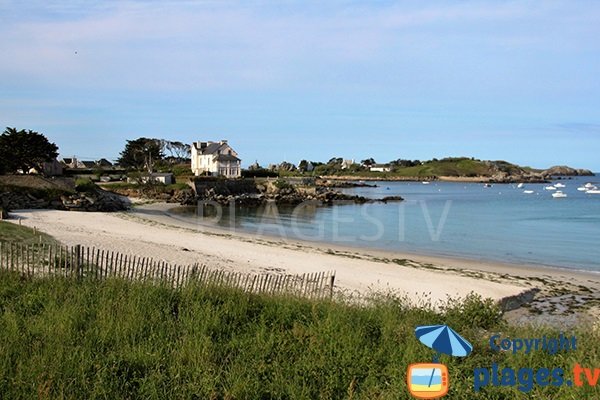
[[149, 231]]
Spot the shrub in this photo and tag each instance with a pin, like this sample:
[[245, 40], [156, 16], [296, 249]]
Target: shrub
[[84, 185]]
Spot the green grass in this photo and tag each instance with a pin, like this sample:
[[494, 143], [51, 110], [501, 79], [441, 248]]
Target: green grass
[[69, 339], [14, 233]]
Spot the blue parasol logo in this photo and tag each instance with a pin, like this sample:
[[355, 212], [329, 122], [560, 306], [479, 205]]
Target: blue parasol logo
[[443, 339], [431, 380]]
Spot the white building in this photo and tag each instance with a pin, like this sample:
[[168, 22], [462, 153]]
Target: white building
[[380, 168], [215, 159], [347, 164]]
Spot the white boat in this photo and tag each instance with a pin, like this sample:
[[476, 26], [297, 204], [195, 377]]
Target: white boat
[[593, 191], [559, 195], [582, 188], [549, 188], [425, 183], [520, 185], [559, 185], [528, 191], [487, 185], [589, 185]]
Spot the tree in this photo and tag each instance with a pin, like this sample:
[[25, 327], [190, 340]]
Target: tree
[[182, 151], [141, 153], [24, 150], [303, 166], [368, 162]]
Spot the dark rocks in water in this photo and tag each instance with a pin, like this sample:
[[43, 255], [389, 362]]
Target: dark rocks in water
[[391, 198], [286, 194], [343, 184]]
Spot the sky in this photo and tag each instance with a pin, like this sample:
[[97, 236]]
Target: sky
[[285, 80]]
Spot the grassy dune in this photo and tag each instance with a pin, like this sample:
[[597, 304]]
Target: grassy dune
[[12, 233], [67, 339]]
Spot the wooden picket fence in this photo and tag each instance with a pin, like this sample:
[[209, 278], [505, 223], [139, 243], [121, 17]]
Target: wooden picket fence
[[81, 262]]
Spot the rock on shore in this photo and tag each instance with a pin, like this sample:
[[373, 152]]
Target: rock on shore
[[250, 193]]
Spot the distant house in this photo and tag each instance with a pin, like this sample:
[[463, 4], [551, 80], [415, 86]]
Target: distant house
[[75, 163], [166, 178], [89, 164], [72, 163], [347, 164], [215, 159], [104, 163], [49, 168], [380, 168]]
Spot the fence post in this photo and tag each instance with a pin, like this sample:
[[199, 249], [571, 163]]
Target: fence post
[[78, 263], [332, 280]]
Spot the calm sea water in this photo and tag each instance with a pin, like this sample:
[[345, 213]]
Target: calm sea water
[[500, 223]]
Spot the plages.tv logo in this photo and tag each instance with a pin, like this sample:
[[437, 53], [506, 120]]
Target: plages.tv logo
[[431, 380]]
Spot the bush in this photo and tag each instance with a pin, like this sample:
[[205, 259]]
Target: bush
[[85, 185], [282, 184], [259, 173]]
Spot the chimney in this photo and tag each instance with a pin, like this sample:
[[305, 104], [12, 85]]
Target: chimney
[[224, 141], [203, 145]]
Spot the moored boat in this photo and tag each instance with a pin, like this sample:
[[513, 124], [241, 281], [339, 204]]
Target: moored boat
[[559, 195]]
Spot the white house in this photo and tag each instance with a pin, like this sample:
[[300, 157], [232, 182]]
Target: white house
[[215, 159], [165, 178], [380, 168], [347, 164]]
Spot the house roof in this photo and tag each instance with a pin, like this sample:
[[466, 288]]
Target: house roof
[[211, 148], [67, 160], [226, 157], [103, 162], [89, 164]]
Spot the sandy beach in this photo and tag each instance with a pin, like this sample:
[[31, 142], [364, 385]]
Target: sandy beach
[[148, 230]]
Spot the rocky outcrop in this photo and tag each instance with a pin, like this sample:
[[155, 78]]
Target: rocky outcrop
[[96, 200], [563, 170], [249, 193]]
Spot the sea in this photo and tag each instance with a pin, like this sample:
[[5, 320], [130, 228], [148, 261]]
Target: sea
[[466, 220]]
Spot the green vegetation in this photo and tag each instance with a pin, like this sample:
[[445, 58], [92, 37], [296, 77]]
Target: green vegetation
[[85, 185], [115, 339], [13, 233], [451, 166], [446, 167], [41, 192]]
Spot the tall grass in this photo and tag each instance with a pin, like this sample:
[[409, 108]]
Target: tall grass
[[114, 339]]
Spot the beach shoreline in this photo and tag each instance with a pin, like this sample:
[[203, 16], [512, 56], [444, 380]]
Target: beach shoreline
[[149, 230]]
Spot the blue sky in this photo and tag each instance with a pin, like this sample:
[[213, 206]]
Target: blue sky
[[289, 80]]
